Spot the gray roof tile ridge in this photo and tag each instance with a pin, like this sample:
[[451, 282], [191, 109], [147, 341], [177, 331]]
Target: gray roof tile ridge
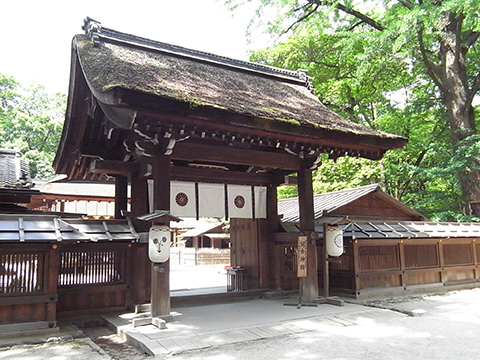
[[369, 187]]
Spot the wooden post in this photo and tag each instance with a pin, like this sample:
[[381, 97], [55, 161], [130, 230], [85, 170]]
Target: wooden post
[[140, 270], [307, 225], [139, 200], [326, 269], [121, 185], [269, 271], [443, 273], [160, 298], [403, 275], [356, 267], [51, 287], [475, 259]]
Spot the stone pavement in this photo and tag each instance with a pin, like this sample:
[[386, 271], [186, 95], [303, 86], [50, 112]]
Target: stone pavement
[[207, 326]]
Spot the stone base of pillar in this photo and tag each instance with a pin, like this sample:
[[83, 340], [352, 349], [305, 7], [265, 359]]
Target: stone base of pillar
[[159, 322], [332, 300]]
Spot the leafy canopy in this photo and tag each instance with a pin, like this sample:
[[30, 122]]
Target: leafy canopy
[[31, 121], [379, 64]]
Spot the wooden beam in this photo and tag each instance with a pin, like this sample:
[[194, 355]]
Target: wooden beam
[[15, 198], [113, 167], [219, 176], [192, 152], [185, 173], [175, 112]]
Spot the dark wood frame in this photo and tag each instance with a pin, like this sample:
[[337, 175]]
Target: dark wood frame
[[39, 309]]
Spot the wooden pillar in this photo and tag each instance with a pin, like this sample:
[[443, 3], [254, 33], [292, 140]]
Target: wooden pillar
[[139, 200], [475, 259], [326, 268], [307, 225], [356, 267], [160, 299], [441, 261], [140, 269], [403, 275], [269, 271], [51, 286], [121, 185]]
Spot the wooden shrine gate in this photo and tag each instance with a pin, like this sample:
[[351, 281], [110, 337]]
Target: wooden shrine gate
[[176, 114]]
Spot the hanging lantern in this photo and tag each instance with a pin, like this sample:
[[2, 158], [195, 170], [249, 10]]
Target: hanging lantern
[[159, 239], [334, 240]]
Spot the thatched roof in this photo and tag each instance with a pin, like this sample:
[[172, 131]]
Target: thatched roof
[[257, 91], [200, 79], [128, 94]]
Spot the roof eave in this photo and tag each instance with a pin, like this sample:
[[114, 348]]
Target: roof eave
[[122, 106]]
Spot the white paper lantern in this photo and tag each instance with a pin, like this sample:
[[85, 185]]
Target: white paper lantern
[[159, 238], [334, 240]]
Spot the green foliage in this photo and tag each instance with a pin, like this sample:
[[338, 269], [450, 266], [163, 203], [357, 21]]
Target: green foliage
[[383, 64], [7, 98], [349, 78], [31, 121], [287, 191], [345, 173]]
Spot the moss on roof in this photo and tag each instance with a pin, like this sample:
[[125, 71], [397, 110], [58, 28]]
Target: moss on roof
[[200, 83]]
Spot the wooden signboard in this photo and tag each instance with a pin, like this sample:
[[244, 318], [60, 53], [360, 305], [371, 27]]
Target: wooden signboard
[[302, 256]]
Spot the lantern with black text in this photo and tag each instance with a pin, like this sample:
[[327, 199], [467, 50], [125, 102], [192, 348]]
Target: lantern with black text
[[159, 238], [334, 240]]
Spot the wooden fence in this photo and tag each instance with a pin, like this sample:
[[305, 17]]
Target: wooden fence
[[411, 265], [40, 281], [384, 267]]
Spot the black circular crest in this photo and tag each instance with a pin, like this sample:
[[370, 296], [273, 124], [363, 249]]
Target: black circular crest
[[239, 201], [181, 199]]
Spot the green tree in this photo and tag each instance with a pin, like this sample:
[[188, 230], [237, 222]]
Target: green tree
[[31, 120], [365, 53], [8, 97]]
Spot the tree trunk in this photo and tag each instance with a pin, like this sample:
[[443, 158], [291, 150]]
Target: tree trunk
[[462, 126], [454, 86]]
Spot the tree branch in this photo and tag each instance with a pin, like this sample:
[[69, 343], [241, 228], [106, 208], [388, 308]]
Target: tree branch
[[470, 40], [407, 4], [366, 19], [430, 66], [338, 69], [304, 16], [475, 88], [458, 38]]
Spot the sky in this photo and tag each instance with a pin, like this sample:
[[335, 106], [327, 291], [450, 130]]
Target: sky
[[36, 35]]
